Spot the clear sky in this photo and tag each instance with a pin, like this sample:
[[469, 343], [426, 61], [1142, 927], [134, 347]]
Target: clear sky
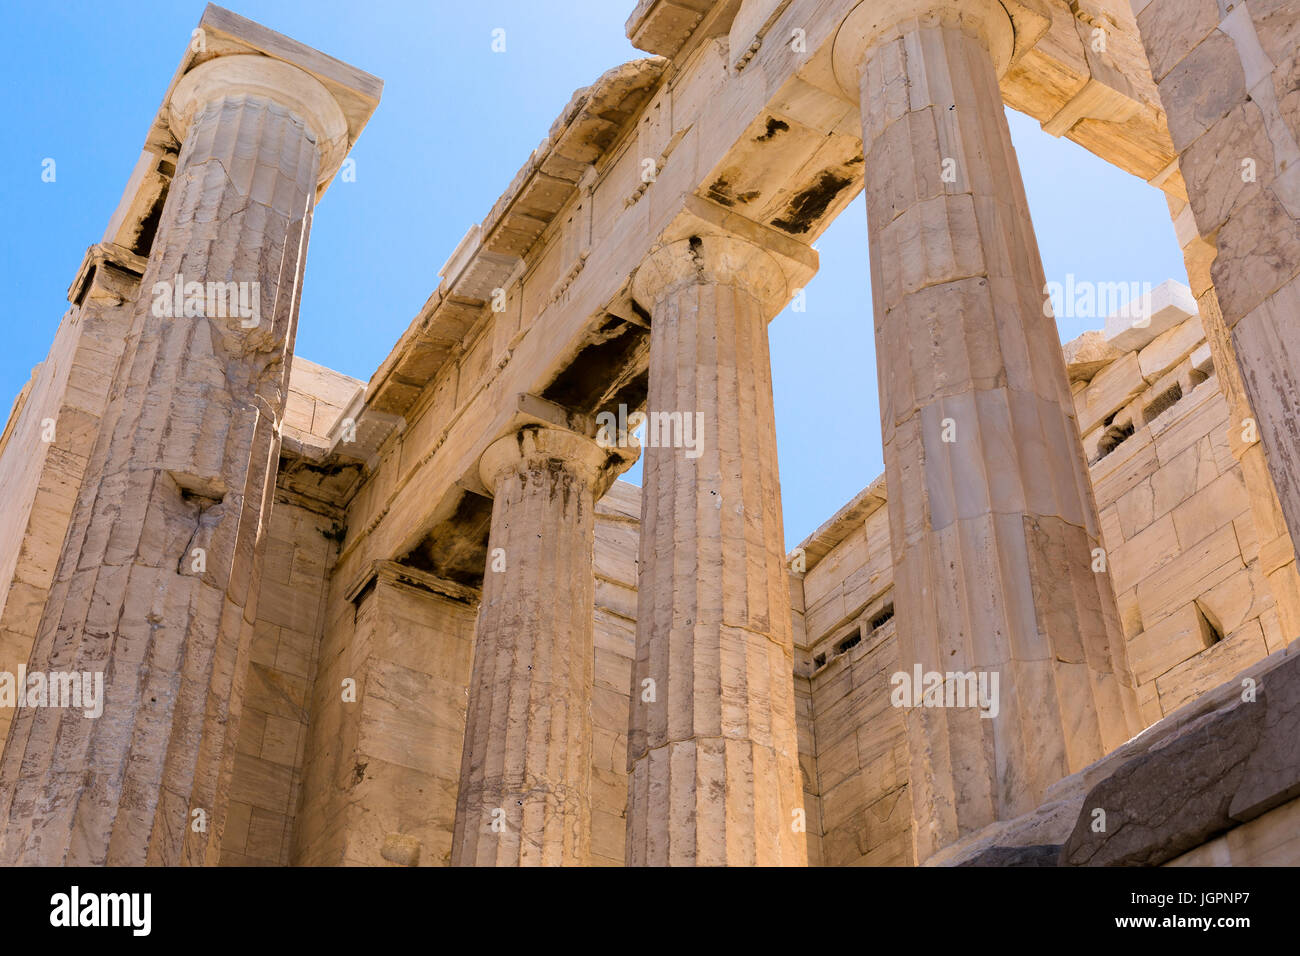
[[456, 123]]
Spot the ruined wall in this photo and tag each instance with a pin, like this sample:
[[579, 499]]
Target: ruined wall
[[39, 479], [1176, 518]]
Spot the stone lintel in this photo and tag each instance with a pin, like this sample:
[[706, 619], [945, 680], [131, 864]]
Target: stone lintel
[[672, 28], [101, 254], [493, 253], [391, 572], [1096, 101], [361, 432]]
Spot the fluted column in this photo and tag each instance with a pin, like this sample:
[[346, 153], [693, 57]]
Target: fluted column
[[156, 584], [712, 751], [992, 518], [525, 777]]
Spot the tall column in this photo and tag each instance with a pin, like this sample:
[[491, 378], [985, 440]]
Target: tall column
[[525, 777], [992, 519], [156, 584], [712, 750]]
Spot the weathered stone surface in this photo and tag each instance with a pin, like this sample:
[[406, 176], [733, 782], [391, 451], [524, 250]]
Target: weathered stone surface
[[526, 774], [1228, 768], [1043, 855], [1141, 322], [1088, 354], [368, 568], [181, 463], [712, 748], [982, 457]]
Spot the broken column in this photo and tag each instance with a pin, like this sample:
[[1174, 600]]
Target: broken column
[[525, 781], [712, 751], [156, 583], [994, 529]]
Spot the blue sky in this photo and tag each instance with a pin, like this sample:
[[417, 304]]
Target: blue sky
[[456, 122]]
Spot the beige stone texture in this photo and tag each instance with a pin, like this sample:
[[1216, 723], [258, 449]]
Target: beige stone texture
[[712, 748], [1270, 840], [526, 774], [266, 780], [156, 584], [1237, 142], [311, 689], [386, 723], [198, 426], [981, 446], [45, 449]]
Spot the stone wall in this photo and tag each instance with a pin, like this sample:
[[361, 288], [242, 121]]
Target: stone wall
[[267, 777], [267, 774], [44, 450], [1226, 75], [847, 650], [1179, 537]]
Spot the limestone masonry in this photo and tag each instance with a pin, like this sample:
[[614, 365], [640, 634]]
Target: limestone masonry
[[419, 621]]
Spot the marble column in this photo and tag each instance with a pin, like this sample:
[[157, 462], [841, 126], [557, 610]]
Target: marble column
[[993, 524], [712, 752], [525, 780], [156, 583]]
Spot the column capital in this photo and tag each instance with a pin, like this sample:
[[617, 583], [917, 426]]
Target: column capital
[[532, 445], [724, 260], [873, 20], [276, 80]]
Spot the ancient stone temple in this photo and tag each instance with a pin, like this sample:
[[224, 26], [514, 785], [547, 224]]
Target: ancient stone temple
[[419, 620]]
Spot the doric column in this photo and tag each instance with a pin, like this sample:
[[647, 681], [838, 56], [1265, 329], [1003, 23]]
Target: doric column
[[525, 775], [992, 519], [712, 750], [156, 584]]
